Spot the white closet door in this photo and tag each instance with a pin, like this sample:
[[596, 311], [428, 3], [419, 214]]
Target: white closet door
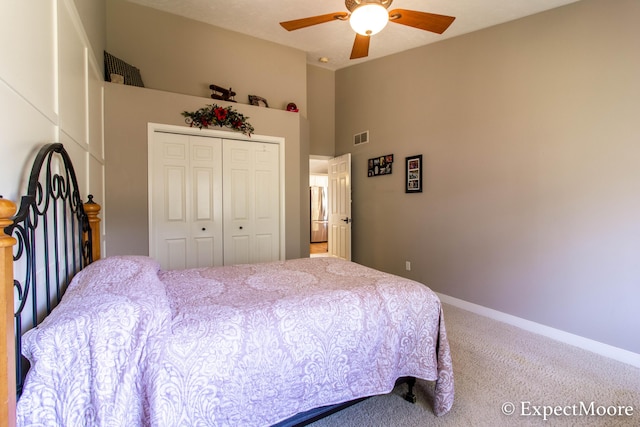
[[186, 201], [251, 202], [206, 199]]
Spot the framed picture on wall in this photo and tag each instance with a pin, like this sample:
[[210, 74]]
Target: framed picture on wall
[[414, 174], [379, 165]]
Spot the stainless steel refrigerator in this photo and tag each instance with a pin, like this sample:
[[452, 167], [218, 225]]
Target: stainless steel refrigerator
[[319, 218]]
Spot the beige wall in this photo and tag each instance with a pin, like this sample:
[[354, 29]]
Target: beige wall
[[321, 88], [181, 55], [128, 110], [93, 16], [529, 132]]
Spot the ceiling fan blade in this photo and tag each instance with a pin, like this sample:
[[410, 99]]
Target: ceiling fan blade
[[360, 47], [421, 20], [296, 24]]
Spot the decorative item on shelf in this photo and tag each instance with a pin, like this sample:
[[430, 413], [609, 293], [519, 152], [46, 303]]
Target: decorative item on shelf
[[258, 100], [214, 115], [380, 165], [292, 107], [414, 174], [222, 93], [117, 78], [118, 71]]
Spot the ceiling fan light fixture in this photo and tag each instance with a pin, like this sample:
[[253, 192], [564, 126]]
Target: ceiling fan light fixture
[[369, 19]]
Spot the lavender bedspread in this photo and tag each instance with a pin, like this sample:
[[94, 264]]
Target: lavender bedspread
[[246, 345]]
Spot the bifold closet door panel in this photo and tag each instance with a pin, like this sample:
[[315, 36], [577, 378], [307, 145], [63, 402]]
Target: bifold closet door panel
[[186, 201], [251, 192]]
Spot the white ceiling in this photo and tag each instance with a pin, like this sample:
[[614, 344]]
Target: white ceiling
[[318, 166], [334, 40]]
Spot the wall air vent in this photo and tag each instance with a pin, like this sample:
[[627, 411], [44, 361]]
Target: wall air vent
[[361, 138]]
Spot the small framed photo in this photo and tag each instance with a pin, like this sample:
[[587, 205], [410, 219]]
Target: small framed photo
[[414, 174], [380, 165], [258, 100]]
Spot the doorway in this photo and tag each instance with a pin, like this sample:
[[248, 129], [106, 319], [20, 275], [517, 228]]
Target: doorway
[[318, 187], [339, 206], [332, 223]]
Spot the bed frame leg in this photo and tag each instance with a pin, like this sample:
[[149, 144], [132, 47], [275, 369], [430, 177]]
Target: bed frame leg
[[409, 396], [7, 346]]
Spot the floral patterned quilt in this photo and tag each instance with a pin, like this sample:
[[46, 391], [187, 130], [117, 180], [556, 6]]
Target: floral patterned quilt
[[245, 345]]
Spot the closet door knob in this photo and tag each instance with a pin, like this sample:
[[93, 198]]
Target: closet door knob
[[240, 227], [204, 229]]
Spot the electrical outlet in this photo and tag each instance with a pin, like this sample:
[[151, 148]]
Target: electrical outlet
[[407, 265]]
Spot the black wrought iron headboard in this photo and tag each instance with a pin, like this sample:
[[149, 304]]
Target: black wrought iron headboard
[[54, 242]]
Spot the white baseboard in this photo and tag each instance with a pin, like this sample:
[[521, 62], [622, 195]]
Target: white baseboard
[[606, 350]]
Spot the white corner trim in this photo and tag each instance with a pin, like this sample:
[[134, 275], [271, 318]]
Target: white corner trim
[[603, 349]]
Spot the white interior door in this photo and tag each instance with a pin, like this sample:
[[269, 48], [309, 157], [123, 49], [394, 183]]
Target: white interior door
[[251, 202], [339, 206], [186, 201], [206, 201]]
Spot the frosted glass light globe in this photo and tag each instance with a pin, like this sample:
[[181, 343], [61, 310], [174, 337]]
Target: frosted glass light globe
[[369, 19]]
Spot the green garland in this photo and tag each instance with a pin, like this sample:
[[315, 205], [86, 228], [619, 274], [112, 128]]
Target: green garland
[[214, 115]]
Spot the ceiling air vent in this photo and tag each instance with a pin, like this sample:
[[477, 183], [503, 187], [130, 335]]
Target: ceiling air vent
[[361, 138]]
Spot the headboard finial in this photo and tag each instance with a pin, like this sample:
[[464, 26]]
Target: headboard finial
[[92, 209], [7, 210]]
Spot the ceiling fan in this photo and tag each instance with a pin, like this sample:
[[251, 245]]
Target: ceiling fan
[[368, 17]]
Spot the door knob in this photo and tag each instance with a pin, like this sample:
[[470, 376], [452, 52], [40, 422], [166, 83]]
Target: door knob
[[204, 229], [346, 220], [240, 227]]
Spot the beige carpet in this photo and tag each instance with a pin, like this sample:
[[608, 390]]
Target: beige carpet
[[496, 365]]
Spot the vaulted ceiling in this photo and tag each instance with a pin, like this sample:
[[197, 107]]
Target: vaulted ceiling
[[334, 40]]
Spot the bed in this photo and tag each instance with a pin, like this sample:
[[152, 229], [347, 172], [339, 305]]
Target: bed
[[282, 343]]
